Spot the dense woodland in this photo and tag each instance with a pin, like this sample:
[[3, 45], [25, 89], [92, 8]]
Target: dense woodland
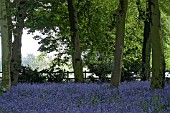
[[115, 37]]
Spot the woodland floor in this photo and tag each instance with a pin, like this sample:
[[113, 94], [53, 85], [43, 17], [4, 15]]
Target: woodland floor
[[130, 97]]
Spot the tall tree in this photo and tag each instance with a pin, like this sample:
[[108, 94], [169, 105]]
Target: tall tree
[[146, 50], [6, 81], [76, 53], [158, 67], [120, 34], [10, 26], [17, 32]]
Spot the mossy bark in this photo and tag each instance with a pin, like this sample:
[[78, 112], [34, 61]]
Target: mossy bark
[[10, 25], [76, 53], [120, 34], [6, 79], [158, 68], [16, 47]]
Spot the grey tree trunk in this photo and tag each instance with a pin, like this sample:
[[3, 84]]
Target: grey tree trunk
[[120, 34], [10, 26], [158, 67], [10, 29], [76, 54], [6, 80], [16, 47]]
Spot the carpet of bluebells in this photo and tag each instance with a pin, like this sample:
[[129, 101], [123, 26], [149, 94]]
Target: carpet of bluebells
[[130, 97]]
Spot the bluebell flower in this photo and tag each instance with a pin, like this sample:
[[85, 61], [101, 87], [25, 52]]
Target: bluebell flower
[[85, 98]]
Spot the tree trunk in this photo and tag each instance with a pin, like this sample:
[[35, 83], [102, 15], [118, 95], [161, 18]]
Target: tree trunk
[[6, 80], [76, 54], [146, 50], [10, 29], [120, 34], [10, 26], [16, 47], [158, 69]]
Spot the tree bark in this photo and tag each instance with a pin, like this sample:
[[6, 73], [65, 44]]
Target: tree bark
[[120, 34], [16, 47], [158, 67], [10, 26], [76, 53], [146, 50], [6, 80]]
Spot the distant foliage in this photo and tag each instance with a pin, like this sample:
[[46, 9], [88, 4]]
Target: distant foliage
[[129, 69], [39, 62], [57, 76], [100, 69], [30, 75]]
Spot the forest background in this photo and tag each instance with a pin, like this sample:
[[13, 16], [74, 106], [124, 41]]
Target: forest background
[[96, 23]]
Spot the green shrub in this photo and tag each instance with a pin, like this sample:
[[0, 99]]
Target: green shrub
[[31, 76], [34, 76], [100, 69]]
